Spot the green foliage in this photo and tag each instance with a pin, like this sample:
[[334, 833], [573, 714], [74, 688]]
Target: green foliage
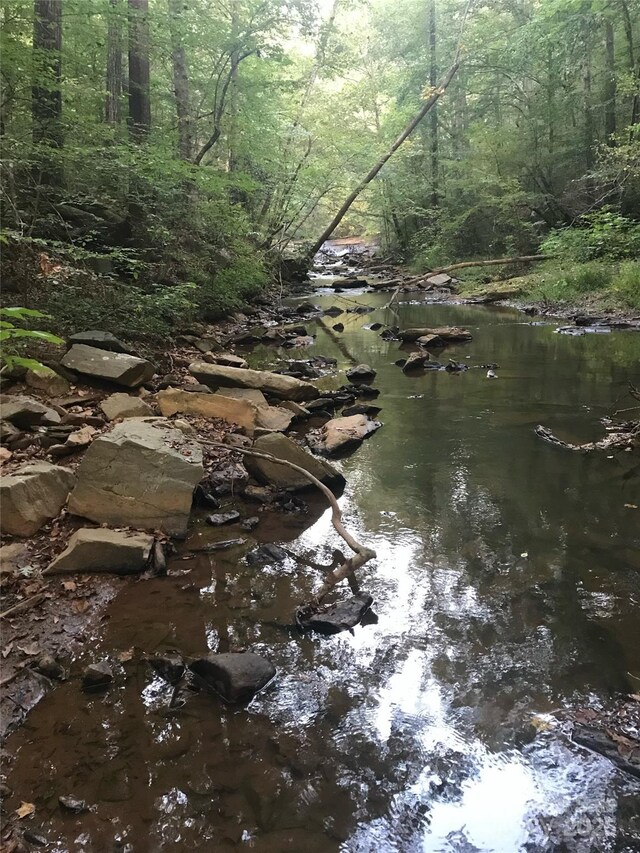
[[604, 234], [12, 336], [603, 285]]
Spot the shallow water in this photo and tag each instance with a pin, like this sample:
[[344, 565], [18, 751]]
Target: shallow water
[[507, 585]]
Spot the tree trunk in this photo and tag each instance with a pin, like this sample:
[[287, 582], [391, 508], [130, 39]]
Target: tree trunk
[[433, 78], [610, 82], [114, 64], [634, 65], [428, 104], [588, 107], [46, 93], [180, 79], [139, 81]]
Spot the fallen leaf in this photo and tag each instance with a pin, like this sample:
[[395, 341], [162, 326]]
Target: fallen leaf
[[7, 650], [70, 585], [80, 605], [123, 657], [30, 649], [631, 506], [25, 810]]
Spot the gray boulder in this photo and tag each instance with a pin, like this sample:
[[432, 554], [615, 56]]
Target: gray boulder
[[236, 676], [47, 380], [141, 474], [25, 412], [285, 387], [341, 434], [123, 405], [33, 496], [127, 370], [342, 616], [101, 340], [96, 549], [361, 373], [283, 477]]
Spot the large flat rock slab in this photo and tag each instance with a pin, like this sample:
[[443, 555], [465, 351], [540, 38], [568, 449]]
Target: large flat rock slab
[[127, 370], [285, 387], [236, 676], [96, 549], [283, 477], [140, 474], [33, 496], [241, 412], [447, 334]]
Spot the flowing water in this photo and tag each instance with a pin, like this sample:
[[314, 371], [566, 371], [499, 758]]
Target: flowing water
[[507, 586]]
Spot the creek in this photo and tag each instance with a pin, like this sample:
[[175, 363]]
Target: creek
[[506, 586]]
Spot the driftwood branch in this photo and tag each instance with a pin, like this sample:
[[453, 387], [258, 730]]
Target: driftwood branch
[[362, 554], [622, 436]]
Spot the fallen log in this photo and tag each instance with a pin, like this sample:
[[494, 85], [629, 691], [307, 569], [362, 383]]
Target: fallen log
[[621, 437], [494, 262]]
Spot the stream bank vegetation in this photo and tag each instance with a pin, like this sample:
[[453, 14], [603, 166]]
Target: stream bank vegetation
[[160, 159]]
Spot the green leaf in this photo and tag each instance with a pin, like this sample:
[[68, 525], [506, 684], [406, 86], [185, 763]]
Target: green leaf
[[22, 312]]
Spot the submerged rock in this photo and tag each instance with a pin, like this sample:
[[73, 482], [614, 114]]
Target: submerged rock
[[342, 616], [220, 518], [340, 434], [33, 496], [97, 676], [267, 553], [169, 666], [415, 361], [235, 676], [361, 373], [97, 549], [448, 334]]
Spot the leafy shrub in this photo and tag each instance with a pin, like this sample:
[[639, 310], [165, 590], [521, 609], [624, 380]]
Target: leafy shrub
[[601, 235], [12, 337]]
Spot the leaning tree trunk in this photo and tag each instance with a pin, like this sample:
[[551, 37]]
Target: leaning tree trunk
[[139, 80], [180, 79], [46, 92], [114, 64], [433, 98]]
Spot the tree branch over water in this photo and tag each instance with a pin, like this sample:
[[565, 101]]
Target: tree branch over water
[[362, 554]]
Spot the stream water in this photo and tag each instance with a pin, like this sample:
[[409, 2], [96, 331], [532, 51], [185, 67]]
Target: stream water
[[507, 586]]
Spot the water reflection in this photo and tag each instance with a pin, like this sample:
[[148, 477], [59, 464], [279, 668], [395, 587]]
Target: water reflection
[[506, 585]]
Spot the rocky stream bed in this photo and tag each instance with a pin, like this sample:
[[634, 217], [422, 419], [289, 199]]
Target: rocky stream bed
[[165, 582]]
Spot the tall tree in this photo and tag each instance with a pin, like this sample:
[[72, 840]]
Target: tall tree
[[139, 75], [181, 88], [433, 116], [114, 63], [46, 92]]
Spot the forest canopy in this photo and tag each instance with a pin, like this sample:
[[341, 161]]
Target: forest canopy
[[176, 150]]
